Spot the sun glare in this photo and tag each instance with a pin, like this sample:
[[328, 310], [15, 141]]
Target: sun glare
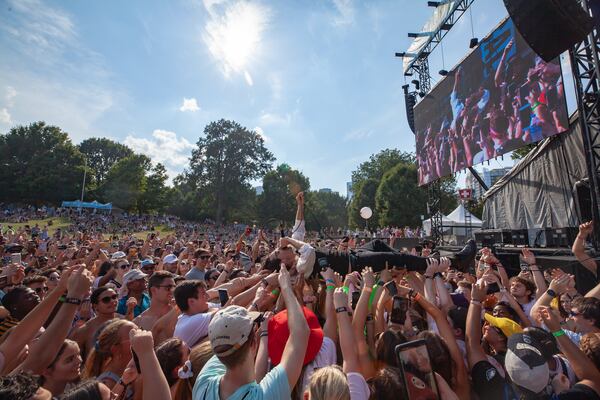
[[233, 38]]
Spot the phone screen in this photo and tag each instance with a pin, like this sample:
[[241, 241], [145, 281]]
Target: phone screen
[[15, 258], [355, 297], [493, 288], [223, 296], [417, 373], [399, 309], [391, 288]]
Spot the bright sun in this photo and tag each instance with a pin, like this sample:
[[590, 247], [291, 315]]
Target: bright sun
[[233, 38]]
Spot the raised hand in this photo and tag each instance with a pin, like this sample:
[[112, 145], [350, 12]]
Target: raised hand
[[528, 256], [340, 298], [284, 278], [79, 282], [141, 341], [550, 319], [432, 266], [586, 228], [561, 284], [479, 291], [368, 277], [444, 264]]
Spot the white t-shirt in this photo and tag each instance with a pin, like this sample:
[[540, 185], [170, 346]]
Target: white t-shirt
[[326, 356], [527, 310], [359, 390], [192, 328]]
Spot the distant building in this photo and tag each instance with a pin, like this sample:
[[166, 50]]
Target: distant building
[[325, 190], [489, 176], [349, 192], [259, 190]]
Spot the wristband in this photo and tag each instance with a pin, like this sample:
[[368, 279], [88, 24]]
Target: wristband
[[417, 297], [380, 283], [428, 277], [341, 309], [551, 293], [70, 300], [476, 302], [345, 289], [558, 333], [368, 289], [329, 281], [330, 288], [275, 292]]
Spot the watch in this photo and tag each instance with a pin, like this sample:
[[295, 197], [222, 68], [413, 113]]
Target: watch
[[551, 293], [341, 309]]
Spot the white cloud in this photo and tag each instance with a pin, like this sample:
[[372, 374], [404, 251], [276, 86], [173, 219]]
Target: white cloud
[[357, 135], [346, 11], [261, 133], [5, 116], [275, 119], [164, 147], [233, 33], [189, 105], [11, 93]]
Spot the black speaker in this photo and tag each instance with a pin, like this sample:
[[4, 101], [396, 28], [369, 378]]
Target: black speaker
[[583, 200], [550, 26]]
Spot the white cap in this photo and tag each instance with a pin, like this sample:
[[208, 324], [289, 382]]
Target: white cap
[[133, 275], [230, 326], [170, 259], [118, 255]]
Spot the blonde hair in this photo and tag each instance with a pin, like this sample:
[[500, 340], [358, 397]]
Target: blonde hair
[[108, 336], [199, 356], [329, 383]]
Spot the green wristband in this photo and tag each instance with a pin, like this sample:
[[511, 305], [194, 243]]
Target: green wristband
[[372, 296], [330, 288], [558, 333], [345, 289]]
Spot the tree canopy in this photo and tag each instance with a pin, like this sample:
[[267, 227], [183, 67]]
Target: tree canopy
[[101, 155]]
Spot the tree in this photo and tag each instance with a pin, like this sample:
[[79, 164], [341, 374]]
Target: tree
[[277, 202], [156, 194], [40, 164], [399, 201], [372, 171], [126, 182], [324, 209], [101, 154], [364, 196], [227, 158]]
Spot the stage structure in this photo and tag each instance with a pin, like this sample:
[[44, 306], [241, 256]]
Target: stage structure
[[416, 61], [586, 73]]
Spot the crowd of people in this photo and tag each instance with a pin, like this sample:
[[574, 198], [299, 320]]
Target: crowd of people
[[521, 101], [249, 314]]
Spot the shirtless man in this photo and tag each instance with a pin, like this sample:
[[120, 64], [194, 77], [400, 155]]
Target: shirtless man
[[160, 287], [104, 302]]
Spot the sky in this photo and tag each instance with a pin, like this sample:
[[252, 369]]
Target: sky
[[316, 78]]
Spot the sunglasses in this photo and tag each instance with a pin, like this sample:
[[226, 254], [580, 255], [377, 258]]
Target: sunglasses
[[41, 289], [108, 299], [124, 266]]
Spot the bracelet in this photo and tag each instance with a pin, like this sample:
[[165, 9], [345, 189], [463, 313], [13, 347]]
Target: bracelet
[[428, 277], [275, 292], [438, 275], [476, 302], [558, 333], [368, 289], [341, 309], [369, 317], [330, 288], [380, 283], [263, 334], [264, 282], [70, 300], [254, 305], [417, 297], [345, 289], [330, 281]]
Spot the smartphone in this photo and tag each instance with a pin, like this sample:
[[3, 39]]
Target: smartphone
[[323, 264], [493, 288], [417, 373], [223, 297], [391, 288], [399, 310], [355, 297], [524, 267], [15, 258], [136, 361]]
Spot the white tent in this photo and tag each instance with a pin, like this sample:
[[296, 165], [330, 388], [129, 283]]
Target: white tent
[[446, 223], [459, 220]]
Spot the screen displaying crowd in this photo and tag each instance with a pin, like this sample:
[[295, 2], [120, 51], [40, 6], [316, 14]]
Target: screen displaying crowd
[[501, 97], [209, 312]]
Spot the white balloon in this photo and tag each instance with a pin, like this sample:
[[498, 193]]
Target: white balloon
[[366, 212]]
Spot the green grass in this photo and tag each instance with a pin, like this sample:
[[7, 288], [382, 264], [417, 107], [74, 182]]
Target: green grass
[[59, 222]]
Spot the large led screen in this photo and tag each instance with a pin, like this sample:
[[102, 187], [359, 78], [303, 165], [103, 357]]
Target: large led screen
[[501, 97]]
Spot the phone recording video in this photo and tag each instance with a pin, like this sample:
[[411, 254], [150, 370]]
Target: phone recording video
[[493, 288], [417, 372], [355, 297], [223, 297], [399, 310], [391, 288]]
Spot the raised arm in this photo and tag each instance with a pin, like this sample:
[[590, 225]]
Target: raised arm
[[358, 323], [299, 230], [155, 382], [579, 248], [475, 351], [347, 338], [558, 286], [43, 352], [538, 276], [295, 348], [330, 327]]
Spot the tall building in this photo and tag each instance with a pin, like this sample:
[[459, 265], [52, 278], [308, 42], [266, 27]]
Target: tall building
[[349, 192], [325, 190], [489, 176]]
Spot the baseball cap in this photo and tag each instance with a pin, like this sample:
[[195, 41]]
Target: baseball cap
[[133, 275], [231, 327], [525, 363], [279, 334], [170, 259], [506, 325], [147, 261], [117, 255]]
